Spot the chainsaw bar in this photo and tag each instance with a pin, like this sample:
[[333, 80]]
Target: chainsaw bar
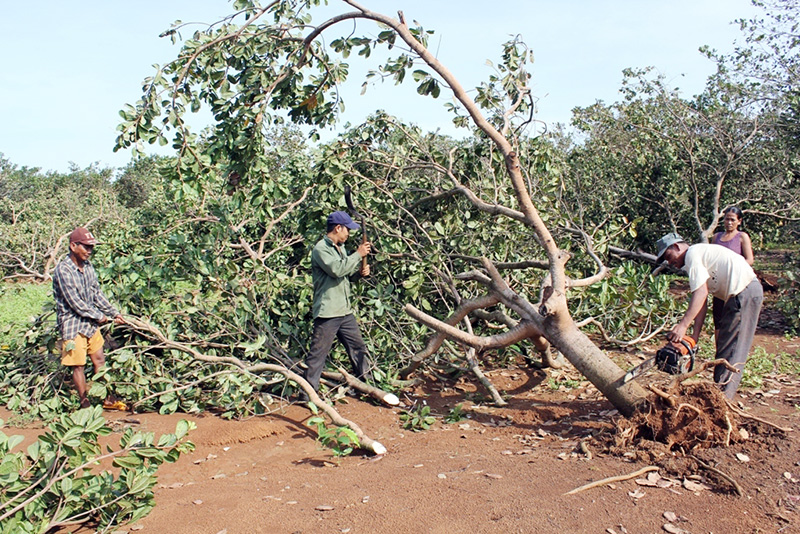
[[639, 370], [672, 358]]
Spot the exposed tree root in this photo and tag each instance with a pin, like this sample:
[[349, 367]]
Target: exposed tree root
[[686, 416], [688, 406], [151, 331], [609, 480], [663, 394], [746, 415], [700, 368], [716, 471]]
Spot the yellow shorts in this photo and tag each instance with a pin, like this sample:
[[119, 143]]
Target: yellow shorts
[[74, 351]]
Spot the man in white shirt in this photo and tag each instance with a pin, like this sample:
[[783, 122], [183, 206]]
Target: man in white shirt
[[726, 275]]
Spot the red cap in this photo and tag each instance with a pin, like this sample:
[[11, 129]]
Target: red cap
[[82, 235]]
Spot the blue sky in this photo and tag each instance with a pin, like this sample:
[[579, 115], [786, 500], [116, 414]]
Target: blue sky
[[69, 67]]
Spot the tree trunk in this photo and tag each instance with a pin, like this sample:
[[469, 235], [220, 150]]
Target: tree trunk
[[598, 368]]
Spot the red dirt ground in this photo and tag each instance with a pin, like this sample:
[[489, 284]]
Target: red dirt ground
[[501, 470]]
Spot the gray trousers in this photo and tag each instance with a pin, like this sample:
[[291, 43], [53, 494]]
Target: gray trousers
[[325, 331], [737, 326]]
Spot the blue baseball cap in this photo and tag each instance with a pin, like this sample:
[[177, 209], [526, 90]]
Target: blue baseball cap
[[340, 217]]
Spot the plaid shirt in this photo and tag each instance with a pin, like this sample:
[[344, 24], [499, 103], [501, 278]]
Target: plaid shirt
[[79, 301]]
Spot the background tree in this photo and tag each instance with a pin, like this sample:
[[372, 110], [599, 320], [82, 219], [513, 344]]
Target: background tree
[[688, 159], [139, 180], [38, 210]]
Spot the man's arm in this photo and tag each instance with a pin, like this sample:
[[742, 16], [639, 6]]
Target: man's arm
[[100, 301], [700, 319], [698, 306], [104, 305], [334, 265]]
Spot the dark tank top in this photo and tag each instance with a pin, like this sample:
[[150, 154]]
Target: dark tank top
[[734, 244]]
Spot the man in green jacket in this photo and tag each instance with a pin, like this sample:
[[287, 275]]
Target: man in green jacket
[[332, 270]]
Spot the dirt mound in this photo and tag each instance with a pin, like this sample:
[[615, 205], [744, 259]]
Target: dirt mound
[[241, 432], [688, 417]]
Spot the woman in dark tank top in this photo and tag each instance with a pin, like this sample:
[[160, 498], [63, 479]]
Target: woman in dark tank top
[[732, 237], [737, 241]]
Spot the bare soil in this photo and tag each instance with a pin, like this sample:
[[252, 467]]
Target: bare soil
[[499, 470]]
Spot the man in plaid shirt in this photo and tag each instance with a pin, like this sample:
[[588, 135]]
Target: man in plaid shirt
[[81, 308]]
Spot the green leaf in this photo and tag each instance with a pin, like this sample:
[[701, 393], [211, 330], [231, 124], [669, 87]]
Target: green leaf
[[13, 441], [183, 427], [128, 462]]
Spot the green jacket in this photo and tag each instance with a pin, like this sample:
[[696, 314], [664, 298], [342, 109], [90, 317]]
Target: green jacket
[[331, 269]]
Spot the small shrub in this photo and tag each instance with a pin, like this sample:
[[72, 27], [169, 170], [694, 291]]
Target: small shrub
[[455, 415], [418, 419], [567, 383], [341, 440], [761, 363]]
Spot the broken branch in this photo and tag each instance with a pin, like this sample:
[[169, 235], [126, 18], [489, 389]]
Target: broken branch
[[609, 480]]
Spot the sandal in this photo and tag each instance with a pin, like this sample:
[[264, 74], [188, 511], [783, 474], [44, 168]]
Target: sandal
[[110, 404]]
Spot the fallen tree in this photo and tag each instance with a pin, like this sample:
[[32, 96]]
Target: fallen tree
[[284, 64]]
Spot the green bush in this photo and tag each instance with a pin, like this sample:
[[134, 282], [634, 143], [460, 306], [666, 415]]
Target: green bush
[[629, 303], [789, 301], [417, 419], [341, 440]]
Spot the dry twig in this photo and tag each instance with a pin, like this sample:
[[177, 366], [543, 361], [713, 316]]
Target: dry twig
[[609, 480], [585, 449]]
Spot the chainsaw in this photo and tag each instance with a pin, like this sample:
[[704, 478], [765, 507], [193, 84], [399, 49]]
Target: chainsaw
[[673, 358]]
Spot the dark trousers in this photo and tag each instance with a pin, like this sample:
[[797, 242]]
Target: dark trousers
[[346, 330], [737, 325]]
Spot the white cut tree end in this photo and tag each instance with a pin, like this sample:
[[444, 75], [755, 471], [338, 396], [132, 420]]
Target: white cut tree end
[[391, 399], [377, 448]]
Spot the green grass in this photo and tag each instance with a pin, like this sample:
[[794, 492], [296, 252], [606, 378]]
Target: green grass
[[761, 363], [19, 305]]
